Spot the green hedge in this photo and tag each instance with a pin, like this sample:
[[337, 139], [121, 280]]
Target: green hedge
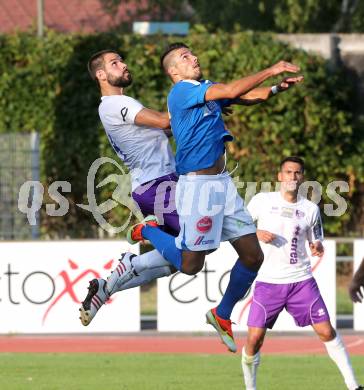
[[44, 86]]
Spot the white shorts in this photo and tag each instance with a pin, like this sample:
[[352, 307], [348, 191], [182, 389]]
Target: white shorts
[[210, 211]]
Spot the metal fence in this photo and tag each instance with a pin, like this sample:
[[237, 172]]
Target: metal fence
[[19, 162]]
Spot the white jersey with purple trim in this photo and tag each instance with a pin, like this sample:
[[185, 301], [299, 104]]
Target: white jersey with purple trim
[[144, 150], [286, 259]]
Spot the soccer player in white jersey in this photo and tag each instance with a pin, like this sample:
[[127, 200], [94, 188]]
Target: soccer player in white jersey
[[139, 137], [285, 222]]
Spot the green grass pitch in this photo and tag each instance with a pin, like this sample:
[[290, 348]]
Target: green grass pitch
[[166, 372]]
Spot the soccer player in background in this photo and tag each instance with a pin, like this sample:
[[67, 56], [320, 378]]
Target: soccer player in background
[[356, 286], [285, 222], [209, 207]]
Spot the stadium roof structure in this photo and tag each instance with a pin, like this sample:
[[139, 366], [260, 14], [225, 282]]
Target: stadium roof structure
[[86, 16]]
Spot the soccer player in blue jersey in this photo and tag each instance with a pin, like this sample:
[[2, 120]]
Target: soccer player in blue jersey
[[209, 207]]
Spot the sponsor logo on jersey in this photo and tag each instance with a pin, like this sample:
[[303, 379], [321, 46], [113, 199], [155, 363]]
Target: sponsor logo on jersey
[[124, 113], [293, 253], [297, 230], [274, 210], [212, 105], [287, 212], [321, 312], [200, 241], [204, 225], [300, 214]]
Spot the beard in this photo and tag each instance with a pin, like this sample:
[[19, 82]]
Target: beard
[[122, 81]]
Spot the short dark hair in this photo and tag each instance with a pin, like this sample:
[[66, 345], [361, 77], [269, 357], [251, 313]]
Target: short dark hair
[[294, 159], [171, 47], [96, 62]]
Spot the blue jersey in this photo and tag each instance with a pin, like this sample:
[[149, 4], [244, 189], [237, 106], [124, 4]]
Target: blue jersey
[[197, 126]]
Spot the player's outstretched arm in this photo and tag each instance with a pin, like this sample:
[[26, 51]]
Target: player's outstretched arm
[[151, 118], [261, 94], [235, 89], [357, 285]]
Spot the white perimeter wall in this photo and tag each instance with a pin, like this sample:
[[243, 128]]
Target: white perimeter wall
[[43, 283]]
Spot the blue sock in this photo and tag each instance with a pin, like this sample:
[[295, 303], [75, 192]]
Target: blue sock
[[165, 244], [241, 278]]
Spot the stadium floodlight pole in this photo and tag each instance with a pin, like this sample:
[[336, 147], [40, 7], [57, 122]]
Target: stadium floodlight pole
[[40, 17]]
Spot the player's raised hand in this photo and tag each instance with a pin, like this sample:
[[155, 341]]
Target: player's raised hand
[[356, 291], [283, 66], [265, 236], [317, 249], [288, 82]]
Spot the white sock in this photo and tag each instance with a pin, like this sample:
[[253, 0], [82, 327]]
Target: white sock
[[144, 277], [149, 260], [250, 366], [337, 352]]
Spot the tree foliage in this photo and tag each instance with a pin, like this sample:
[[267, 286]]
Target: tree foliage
[[295, 16], [287, 16], [44, 86]]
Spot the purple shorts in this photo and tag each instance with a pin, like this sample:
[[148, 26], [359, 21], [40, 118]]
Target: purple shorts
[[157, 197], [302, 300]]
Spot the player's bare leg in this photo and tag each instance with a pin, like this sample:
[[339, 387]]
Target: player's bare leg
[[192, 262], [249, 251]]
